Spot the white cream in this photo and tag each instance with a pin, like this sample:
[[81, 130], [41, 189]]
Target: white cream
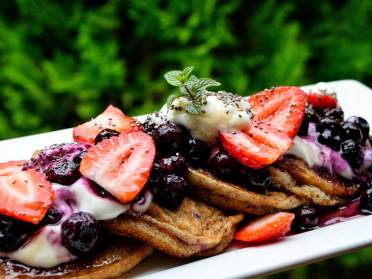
[[44, 249], [317, 155], [221, 111]]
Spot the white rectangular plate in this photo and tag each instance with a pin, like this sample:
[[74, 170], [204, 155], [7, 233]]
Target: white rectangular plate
[[246, 262]]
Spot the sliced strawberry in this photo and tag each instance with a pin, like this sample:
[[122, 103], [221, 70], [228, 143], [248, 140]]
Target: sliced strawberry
[[112, 118], [283, 107], [11, 167], [321, 100], [25, 195], [121, 165], [267, 228]]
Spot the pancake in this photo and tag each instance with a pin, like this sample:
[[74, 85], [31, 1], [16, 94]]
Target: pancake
[[230, 196], [112, 260], [195, 229], [304, 175]]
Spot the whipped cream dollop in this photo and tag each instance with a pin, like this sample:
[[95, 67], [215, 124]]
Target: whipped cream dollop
[[44, 248], [221, 111]]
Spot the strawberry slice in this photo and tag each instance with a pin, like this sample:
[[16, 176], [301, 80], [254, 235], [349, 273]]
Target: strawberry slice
[[283, 107], [321, 100], [278, 116], [112, 118], [25, 195], [267, 228], [121, 165], [11, 167]]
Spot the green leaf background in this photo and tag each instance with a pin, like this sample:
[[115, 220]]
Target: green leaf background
[[63, 62]]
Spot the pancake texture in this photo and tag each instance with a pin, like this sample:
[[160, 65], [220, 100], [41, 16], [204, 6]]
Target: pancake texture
[[195, 229], [112, 260]]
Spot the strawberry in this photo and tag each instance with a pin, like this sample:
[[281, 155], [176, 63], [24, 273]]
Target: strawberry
[[121, 165], [11, 166], [112, 118], [25, 195], [267, 228], [321, 100], [278, 116]]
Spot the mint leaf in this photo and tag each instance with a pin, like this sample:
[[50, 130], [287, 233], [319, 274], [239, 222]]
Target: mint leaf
[[186, 72], [192, 109], [203, 83], [173, 78], [174, 96]]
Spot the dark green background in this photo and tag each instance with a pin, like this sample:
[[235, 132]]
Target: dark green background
[[62, 62]]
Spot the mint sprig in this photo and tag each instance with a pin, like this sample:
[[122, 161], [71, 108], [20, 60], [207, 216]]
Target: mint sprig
[[191, 87]]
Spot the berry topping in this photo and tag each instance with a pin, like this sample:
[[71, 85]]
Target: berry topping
[[351, 131], [330, 138], [224, 166], [352, 153], [13, 233], [335, 113], [196, 151], [25, 195], [168, 138], [278, 116], [112, 118], [366, 202], [267, 228], [63, 171], [321, 100], [259, 180], [121, 165], [327, 123], [306, 218], [53, 216], [175, 164], [172, 191], [312, 114], [11, 167], [81, 233], [361, 123], [105, 134]]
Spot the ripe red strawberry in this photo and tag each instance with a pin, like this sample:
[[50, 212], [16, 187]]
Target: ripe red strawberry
[[25, 195], [321, 100], [11, 166], [267, 228], [278, 116], [121, 165], [112, 118]]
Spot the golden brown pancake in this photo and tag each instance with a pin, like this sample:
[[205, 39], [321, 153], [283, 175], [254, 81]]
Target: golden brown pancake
[[311, 194], [112, 260], [230, 196], [304, 175], [193, 229]]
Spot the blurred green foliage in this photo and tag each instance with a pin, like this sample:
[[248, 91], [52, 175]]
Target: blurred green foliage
[[62, 62]]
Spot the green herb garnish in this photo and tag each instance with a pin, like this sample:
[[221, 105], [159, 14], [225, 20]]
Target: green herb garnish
[[191, 87]]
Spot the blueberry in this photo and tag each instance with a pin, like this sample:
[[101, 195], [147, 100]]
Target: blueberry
[[335, 113], [366, 202], [105, 134], [259, 180], [306, 218], [303, 130], [352, 153], [223, 166], [174, 164], [196, 151], [172, 191], [312, 114], [327, 123], [53, 216], [14, 233], [63, 171], [361, 123], [351, 131], [81, 233], [168, 138], [330, 138]]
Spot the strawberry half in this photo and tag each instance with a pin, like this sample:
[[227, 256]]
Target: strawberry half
[[11, 167], [278, 116], [321, 100], [112, 118], [25, 195], [267, 228], [121, 165]]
